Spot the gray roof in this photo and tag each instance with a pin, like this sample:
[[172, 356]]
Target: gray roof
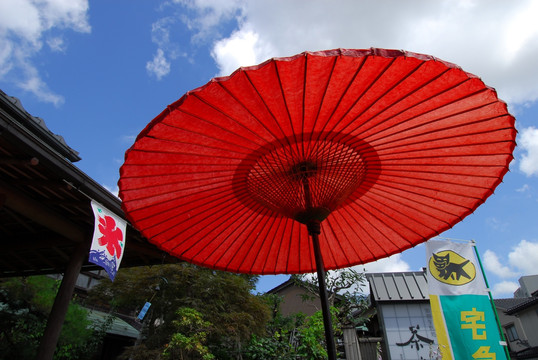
[[508, 303], [400, 286], [117, 325]]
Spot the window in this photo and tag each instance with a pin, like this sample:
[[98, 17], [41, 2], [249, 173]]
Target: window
[[511, 332]]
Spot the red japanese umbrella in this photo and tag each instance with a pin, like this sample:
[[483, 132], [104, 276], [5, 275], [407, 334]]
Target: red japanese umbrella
[[373, 150]]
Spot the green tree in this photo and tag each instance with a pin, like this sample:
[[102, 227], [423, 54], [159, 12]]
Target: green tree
[[225, 300], [189, 342], [290, 337], [311, 337], [25, 304], [277, 342]]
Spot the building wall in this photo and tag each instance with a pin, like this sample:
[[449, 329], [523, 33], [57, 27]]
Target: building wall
[[529, 321], [509, 320], [408, 329], [293, 302], [527, 285]]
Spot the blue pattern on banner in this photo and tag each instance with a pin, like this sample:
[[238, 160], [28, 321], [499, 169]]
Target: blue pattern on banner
[[100, 258]]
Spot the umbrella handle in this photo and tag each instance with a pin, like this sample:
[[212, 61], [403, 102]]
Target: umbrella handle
[[314, 229]]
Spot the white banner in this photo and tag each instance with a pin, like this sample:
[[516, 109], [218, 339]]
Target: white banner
[[462, 311], [453, 269], [108, 243]]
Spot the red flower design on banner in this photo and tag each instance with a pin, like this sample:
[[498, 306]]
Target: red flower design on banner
[[112, 235]]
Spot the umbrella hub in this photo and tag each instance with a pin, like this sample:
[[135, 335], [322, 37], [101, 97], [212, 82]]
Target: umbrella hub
[[306, 179]]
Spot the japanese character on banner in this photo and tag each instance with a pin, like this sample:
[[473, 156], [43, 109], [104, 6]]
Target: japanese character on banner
[[108, 243]]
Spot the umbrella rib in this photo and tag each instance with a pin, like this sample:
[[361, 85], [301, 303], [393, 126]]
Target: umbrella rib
[[204, 233], [423, 155], [444, 173], [206, 216], [242, 218], [325, 89], [400, 99], [267, 108], [329, 248], [185, 153], [397, 173], [207, 201], [438, 142], [289, 241], [386, 224], [436, 232], [263, 235], [333, 224], [417, 193], [249, 111], [194, 187], [224, 193], [386, 91], [358, 224], [272, 244], [438, 190], [226, 115], [337, 105], [220, 139], [380, 193], [440, 119], [223, 174], [364, 92], [303, 105], [283, 95], [172, 182], [408, 108]]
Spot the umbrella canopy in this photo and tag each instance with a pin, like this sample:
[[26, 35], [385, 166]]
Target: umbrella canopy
[[384, 148]]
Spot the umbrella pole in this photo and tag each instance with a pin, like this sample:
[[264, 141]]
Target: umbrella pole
[[314, 230]]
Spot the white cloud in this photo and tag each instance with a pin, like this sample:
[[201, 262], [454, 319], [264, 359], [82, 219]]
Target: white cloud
[[523, 189], [159, 66], [493, 39], [528, 142], [56, 44], [393, 263], [504, 289], [242, 48], [32, 82], [24, 25], [524, 257], [491, 263], [208, 16]]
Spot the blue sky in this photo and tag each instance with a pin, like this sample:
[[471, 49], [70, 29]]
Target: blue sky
[[98, 71]]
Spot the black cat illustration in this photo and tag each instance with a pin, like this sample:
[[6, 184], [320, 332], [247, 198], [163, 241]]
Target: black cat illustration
[[449, 269]]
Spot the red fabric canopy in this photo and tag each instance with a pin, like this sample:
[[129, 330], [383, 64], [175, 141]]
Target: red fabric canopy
[[393, 147]]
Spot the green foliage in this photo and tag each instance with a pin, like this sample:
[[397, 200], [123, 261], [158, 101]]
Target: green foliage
[[312, 344], [189, 342], [276, 344], [225, 300], [290, 337], [25, 304]]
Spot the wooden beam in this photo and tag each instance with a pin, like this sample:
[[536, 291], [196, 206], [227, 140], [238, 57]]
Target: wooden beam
[[41, 214]]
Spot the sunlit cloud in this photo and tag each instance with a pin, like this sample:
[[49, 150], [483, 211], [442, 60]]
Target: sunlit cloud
[[24, 26]]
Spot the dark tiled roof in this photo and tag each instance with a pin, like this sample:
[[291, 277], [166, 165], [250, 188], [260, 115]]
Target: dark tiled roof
[[532, 301], [508, 303]]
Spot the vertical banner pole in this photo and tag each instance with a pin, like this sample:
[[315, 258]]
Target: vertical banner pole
[[491, 301]]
